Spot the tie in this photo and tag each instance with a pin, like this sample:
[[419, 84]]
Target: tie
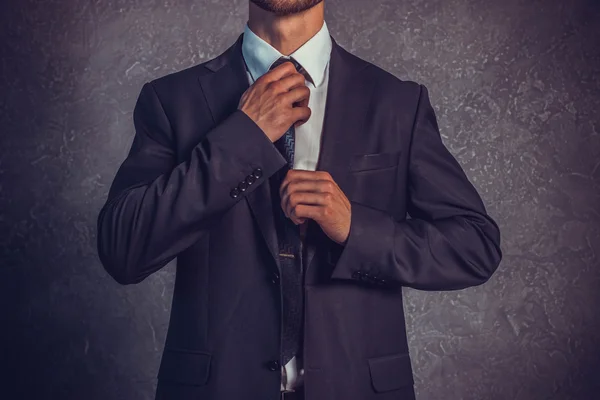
[[290, 250]]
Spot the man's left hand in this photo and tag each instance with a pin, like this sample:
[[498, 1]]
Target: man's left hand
[[315, 195]]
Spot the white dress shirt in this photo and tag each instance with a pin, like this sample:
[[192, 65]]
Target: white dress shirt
[[314, 56]]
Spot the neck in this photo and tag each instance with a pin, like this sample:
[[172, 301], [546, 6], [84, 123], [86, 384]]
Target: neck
[[286, 33]]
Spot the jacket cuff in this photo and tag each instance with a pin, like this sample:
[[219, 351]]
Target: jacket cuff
[[368, 252], [250, 156], [240, 136]]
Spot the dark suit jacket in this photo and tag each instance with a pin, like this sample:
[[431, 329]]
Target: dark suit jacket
[[194, 186]]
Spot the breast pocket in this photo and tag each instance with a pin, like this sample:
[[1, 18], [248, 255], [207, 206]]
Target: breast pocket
[[373, 178], [374, 161]]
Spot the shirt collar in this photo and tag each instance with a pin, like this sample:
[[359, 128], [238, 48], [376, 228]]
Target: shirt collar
[[312, 55]]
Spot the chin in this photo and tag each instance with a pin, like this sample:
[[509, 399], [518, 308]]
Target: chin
[[285, 7]]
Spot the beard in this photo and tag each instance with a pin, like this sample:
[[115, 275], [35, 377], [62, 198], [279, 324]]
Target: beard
[[285, 7]]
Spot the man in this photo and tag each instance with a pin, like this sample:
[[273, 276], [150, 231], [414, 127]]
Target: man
[[280, 175]]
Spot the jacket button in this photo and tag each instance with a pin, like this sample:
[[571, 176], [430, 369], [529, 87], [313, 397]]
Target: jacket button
[[234, 193], [275, 278], [257, 172], [273, 365], [250, 179]]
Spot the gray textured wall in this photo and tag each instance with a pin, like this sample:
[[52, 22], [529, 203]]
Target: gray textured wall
[[516, 87]]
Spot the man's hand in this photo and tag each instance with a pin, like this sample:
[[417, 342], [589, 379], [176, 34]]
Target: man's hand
[[314, 194], [276, 100]]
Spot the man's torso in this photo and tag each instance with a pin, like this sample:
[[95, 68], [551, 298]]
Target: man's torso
[[224, 327]]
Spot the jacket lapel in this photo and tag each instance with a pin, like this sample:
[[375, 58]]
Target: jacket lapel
[[343, 121], [223, 90]]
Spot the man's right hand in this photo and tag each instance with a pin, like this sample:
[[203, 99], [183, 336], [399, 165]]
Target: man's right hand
[[276, 100]]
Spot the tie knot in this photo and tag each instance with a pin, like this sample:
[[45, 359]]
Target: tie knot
[[297, 65]]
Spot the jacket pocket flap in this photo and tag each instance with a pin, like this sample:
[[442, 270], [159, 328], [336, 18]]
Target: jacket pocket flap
[[184, 366], [390, 372], [364, 162]]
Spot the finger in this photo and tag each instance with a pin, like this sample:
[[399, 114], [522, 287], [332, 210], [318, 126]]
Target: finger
[[301, 103], [303, 175], [297, 221], [301, 187], [279, 72], [296, 94], [307, 198], [309, 211], [308, 174], [309, 185], [304, 101], [300, 115], [290, 82]]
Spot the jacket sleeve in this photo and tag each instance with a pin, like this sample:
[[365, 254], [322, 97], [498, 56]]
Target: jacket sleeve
[[448, 243], [156, 208]]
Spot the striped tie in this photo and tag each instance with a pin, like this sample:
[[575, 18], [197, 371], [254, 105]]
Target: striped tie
[[290, 250]]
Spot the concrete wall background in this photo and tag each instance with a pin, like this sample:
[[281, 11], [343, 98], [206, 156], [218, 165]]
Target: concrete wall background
[[516, 87]]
